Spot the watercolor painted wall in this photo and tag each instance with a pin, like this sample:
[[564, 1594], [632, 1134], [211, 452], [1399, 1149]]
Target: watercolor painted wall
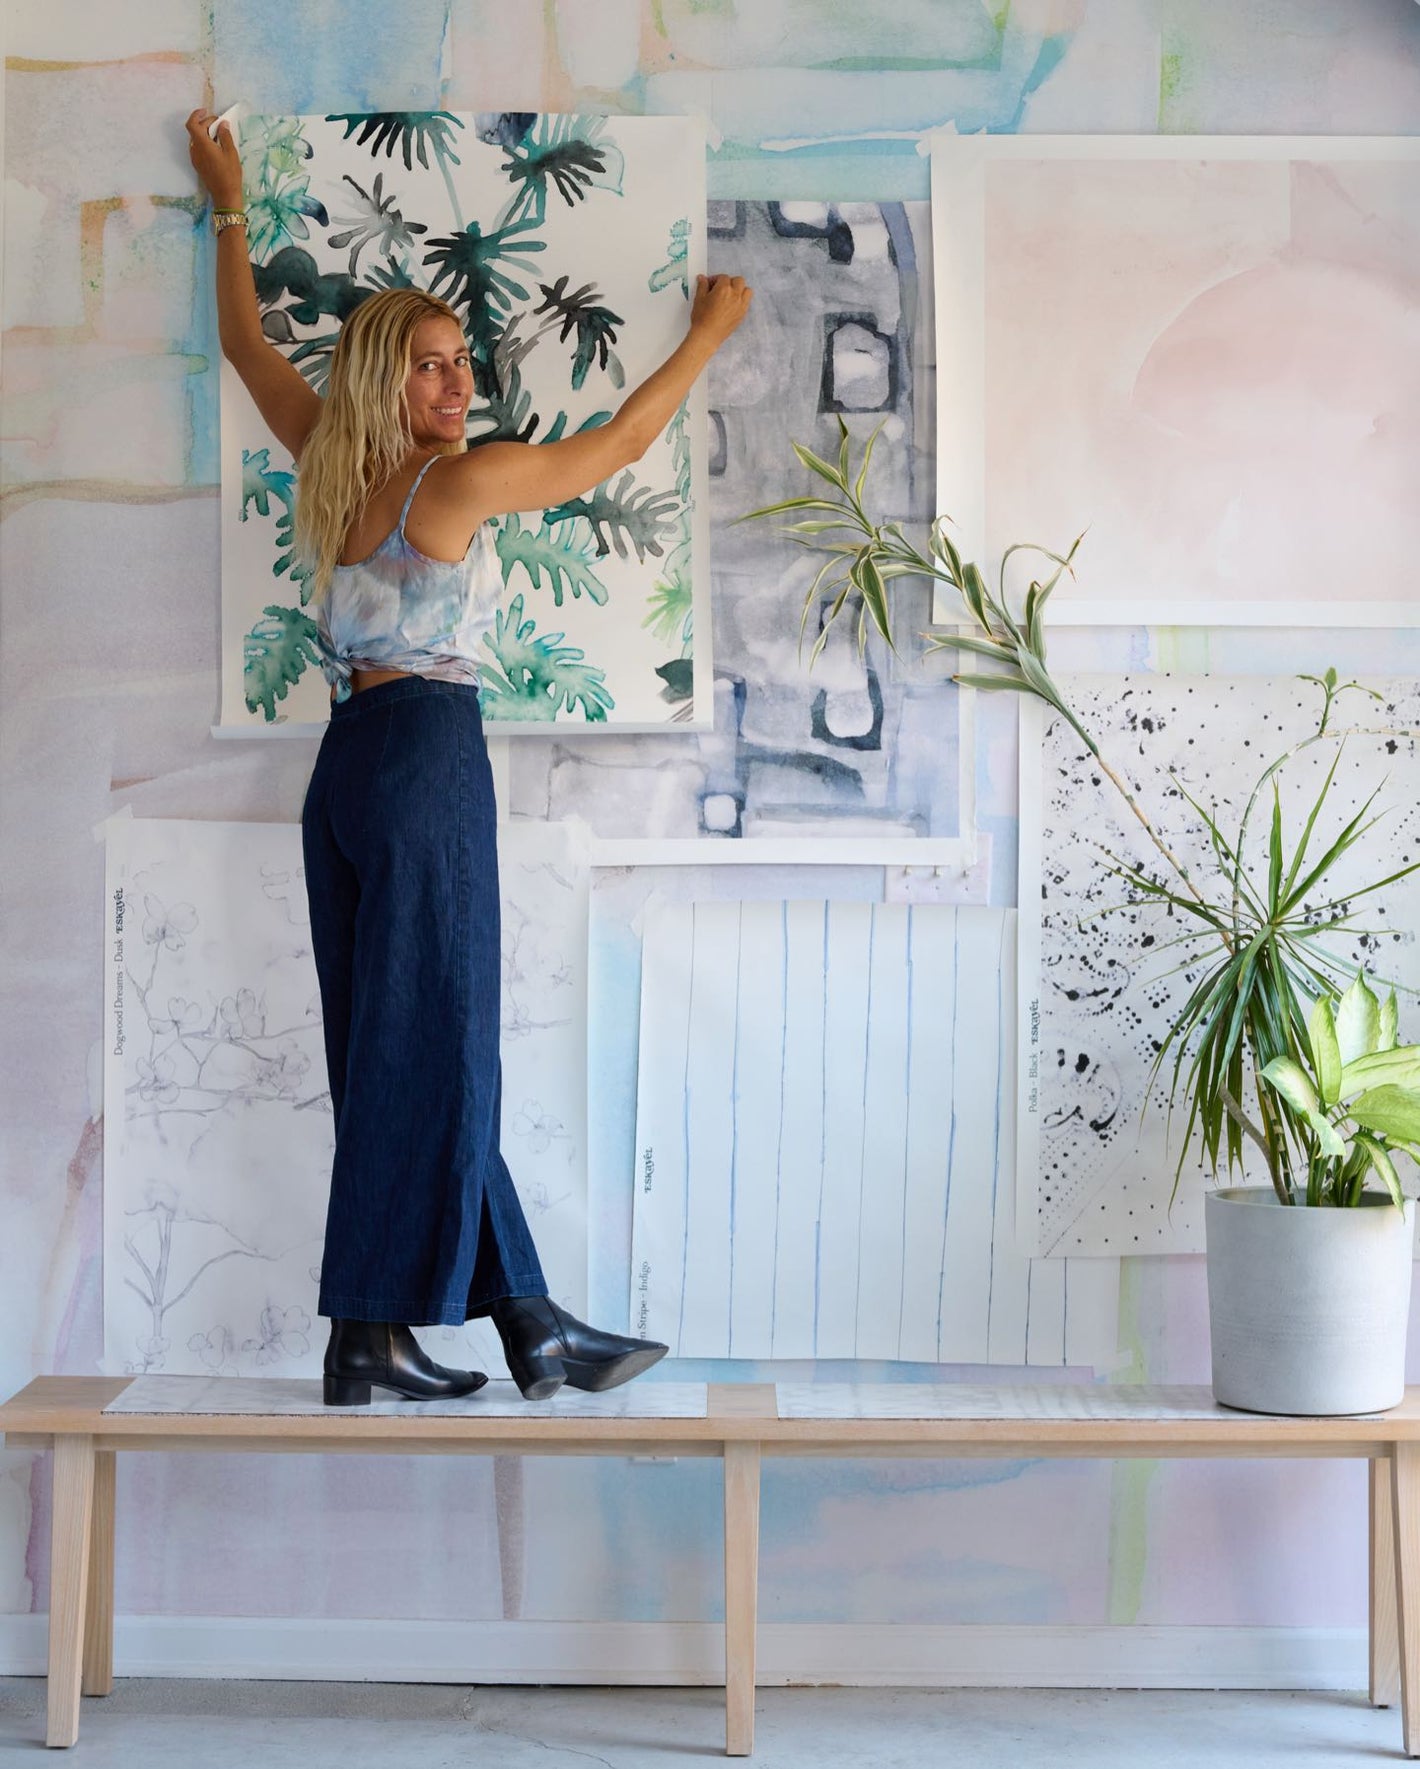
[[108, 692]]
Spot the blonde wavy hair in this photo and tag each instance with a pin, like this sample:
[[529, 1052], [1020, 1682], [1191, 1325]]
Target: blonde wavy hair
[[362, 434]]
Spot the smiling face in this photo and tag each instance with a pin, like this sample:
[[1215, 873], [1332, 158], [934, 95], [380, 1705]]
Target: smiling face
[[440, 384]]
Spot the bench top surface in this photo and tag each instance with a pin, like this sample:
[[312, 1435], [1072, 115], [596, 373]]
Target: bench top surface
[[1095, 1416]]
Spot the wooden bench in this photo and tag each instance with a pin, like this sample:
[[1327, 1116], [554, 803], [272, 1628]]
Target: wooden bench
[[741, 1426]]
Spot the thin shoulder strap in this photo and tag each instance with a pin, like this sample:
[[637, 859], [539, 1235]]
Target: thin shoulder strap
[[415, 487]]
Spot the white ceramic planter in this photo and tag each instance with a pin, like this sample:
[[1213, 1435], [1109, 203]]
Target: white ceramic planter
[[1308, 1307]]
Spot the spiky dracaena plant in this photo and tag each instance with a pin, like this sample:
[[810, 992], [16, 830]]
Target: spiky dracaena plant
[[1332, 1094]]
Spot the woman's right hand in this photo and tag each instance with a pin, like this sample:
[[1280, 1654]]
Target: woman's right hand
[[217, 163], [721, 302]]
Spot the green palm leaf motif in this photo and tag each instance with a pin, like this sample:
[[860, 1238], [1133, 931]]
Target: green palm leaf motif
[[378, 221], [272, 148], [559, 554], [575, 155], [476, 273], [679, 690], [675, 269], [506, 414], [275, 655], [415, 133], [535, 678], [625, 515], [595, 326], [391, 275], [261, 482], [312, 357], [277, 187], [316, 293], [671, 608], [678, 432], [275, 217]]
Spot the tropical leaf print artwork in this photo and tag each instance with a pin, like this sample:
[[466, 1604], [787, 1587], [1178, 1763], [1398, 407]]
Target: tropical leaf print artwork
[[535, 676], [377, 222], [414, 133], [622, 515], [673, 271], [560, 554], [276, 654], [565, 246]]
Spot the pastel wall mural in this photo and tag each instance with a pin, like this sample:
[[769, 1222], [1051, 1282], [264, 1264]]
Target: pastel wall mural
[[1227, 330], [111, 660]]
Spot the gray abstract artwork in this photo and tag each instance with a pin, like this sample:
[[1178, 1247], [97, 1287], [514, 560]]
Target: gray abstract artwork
[[858, 750]]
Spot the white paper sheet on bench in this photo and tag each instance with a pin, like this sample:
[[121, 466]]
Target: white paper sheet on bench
[[825, 1148], [833, 1400], [217, 1125], [281, 1396]]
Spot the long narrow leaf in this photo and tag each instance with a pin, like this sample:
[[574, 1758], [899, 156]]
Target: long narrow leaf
[[862, 479], [815, 464], [1309, 825]]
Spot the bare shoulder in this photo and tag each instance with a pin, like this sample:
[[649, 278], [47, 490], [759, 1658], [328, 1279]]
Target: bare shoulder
[[459, 476], [452, 502], [473, 482]]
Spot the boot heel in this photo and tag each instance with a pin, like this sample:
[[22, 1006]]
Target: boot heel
[[343, 1392], [538, 1378]]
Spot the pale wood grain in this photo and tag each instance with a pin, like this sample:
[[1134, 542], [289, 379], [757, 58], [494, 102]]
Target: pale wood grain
[[98, 1610], [1405, 1522], [1384, 1623], [70, 1522], [742, 1400], [741, 1593], [56, 1404]]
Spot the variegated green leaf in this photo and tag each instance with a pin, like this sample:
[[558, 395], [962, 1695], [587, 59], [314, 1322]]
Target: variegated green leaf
[[1400, 1067], [1384, 1169], [1358, 1021], [1393, 1111], [1326, 1052], [1291, 1081]]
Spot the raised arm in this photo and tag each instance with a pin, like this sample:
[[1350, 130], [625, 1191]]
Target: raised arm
[[280, 391], [503, 476]]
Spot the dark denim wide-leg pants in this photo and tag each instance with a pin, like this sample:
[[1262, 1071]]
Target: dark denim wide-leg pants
[[400, 836]]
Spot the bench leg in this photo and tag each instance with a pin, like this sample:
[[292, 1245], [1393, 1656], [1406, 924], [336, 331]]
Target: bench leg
[[741, 1593], [1384, 1622], [1405, 1523], [70, 1524], [98, 1611]]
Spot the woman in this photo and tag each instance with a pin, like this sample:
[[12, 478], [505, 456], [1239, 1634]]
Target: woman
[[398, 826]]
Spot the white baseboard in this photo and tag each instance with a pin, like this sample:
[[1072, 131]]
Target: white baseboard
[[692, 1653]]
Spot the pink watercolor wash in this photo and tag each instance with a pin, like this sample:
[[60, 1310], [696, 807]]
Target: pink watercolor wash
[[1214, 367]]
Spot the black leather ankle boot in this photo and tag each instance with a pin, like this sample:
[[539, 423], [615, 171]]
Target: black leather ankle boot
[[386, 1355], [545, 1347]]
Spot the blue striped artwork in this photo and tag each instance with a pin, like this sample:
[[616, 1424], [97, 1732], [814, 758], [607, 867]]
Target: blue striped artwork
[[825, 1150]]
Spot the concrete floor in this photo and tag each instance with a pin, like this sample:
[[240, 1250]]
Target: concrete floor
[[172, 1724]]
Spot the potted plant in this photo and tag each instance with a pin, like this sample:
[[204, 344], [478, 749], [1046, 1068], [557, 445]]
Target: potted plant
[[1275, 1051]]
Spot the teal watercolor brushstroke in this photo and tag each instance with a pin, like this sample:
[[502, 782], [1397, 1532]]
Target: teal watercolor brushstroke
[[200, 342], [362, 55], [534, 676]]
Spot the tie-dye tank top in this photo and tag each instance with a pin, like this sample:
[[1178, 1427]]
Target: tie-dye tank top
[[398, 609]]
